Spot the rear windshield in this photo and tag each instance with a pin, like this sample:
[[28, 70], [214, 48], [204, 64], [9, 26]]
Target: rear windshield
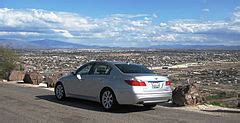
[[133, 68]]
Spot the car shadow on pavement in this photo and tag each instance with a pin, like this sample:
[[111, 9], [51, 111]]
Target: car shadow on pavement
[[222, 111], [168, 105], [90, 105]]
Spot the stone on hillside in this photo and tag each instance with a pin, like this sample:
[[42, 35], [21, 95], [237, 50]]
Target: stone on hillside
[[51, 80], [187, 95], [16, 76], [33, 77]]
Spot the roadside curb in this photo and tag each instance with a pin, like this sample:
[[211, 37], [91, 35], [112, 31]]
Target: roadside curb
[[21, 84]]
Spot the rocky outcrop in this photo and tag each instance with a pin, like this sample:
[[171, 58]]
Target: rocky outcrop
[[33, 78], [52, 79], [16, 76], [187, 95]]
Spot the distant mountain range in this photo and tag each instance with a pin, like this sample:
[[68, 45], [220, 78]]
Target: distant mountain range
[[57, 44], [54, 44], [180, 46], [16, 44], [42, 44]]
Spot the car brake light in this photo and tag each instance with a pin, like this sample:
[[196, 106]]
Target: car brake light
[[135, 83], [168, 83]]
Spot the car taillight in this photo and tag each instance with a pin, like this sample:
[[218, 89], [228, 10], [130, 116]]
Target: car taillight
[[168, 83], [135, 83]]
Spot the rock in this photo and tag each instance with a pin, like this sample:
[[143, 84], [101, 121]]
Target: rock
[[51, 80], [187, 95], [16, 76], [33, 78]]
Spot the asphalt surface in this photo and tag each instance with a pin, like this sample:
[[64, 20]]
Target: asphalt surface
[[28, 104]]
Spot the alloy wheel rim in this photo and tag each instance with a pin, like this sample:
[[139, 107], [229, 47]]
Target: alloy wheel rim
[[107, 99], [59, 91]]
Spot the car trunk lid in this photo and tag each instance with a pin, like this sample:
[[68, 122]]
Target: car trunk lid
[[153, 83]]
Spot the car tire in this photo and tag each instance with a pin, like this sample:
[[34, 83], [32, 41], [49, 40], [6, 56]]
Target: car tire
[[108, 100], [149, 105], [59, 91]]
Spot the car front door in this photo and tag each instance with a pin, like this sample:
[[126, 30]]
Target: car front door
[[81, 78]]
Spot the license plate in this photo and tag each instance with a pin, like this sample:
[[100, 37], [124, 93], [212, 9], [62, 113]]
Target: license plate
[[156, 85]]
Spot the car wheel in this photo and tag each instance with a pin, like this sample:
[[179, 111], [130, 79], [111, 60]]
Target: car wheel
[[149, 105], [59, 92], [108, 100]]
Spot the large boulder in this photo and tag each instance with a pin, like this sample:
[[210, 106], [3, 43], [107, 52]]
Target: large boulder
[[33, 78], [187, 95], [52, 79], [16, 76]]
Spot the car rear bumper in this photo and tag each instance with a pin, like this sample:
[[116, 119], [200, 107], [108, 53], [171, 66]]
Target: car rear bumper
[[153, 97], [143, 98]]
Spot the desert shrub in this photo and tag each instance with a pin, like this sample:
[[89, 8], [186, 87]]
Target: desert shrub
[[217, 103], [8, 60]]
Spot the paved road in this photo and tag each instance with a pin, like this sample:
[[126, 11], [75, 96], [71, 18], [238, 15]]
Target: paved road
[[25, 104]]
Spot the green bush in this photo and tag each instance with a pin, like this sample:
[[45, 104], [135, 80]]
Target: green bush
[[8, 60], [217, 104], [217, 95]]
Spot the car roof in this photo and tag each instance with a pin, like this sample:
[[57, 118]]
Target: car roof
[[112, 62]]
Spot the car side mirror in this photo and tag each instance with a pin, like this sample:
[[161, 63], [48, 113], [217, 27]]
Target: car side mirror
[[79, 76]]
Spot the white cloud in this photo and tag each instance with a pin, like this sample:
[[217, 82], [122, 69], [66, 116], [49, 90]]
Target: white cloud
[[206, 10], [155, 15], [65, 33], [167, 37], [236, 15], [130, 15], [195, 26], [163, 24], [116, 29], [4, 33]]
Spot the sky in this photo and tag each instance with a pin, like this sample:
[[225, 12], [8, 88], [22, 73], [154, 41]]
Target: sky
[[123, 23]]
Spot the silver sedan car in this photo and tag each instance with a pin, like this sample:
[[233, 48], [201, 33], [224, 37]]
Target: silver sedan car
[[113, 83]]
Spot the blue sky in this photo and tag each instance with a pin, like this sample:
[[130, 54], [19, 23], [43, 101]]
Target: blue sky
[[123, 22], [165, 9]]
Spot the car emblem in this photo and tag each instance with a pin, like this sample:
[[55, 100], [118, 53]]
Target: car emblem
[[156, 78]]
